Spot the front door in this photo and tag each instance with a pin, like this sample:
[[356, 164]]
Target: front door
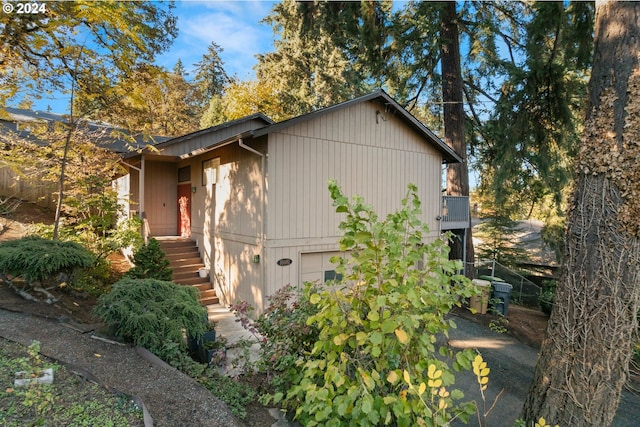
[[184, 210]]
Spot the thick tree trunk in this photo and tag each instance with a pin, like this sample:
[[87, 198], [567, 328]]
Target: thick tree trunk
[[583, 362], [458, 173]]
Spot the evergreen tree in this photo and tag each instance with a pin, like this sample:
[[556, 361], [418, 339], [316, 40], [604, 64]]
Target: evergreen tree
[[309, 69], [532, 134], [211, 78], [150, 263]]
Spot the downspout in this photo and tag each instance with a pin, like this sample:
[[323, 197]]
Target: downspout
[[262, 209]]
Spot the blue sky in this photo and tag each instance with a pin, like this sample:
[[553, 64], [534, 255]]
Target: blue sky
[[234, 25]]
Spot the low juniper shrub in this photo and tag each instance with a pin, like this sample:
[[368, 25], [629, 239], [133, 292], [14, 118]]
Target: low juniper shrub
[[153, 314]]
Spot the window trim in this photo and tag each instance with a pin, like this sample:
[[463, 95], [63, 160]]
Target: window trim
[[210, 170]]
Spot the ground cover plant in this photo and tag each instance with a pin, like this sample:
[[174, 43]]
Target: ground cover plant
[[34, 264], [158, 315], [69, 401]]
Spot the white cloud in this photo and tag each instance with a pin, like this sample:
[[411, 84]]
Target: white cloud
[[233, 25]]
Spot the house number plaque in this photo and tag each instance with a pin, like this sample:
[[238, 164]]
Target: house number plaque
[[284, 262]]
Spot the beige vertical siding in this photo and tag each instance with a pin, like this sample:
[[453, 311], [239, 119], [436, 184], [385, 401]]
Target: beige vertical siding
[[378, 163], [161, 198], [376, 160], [237, 277], [226, 220]]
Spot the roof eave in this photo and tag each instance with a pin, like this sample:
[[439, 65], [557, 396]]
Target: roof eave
[[448, 154]]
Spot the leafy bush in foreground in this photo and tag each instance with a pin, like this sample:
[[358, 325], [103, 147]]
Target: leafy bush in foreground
[[153, 314], [283, 333], [379, 325]]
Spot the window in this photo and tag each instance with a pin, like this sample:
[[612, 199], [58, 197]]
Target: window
[[184, 174], [210, 171], [332, 275]]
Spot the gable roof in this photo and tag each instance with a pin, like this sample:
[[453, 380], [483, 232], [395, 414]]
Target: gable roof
[[257, 125], [257, 116], [103, 135], [448, 154]]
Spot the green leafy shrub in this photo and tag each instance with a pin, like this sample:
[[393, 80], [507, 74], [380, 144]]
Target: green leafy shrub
[[95, 280], [153, 314], [150, 263], [381, 325], [40, 263], [91, 212], [283, 333], [235, 394]]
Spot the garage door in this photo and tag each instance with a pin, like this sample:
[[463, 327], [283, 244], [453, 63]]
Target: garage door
[[317, 267]]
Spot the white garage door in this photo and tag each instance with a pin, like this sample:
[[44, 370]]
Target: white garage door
[[317, 267]]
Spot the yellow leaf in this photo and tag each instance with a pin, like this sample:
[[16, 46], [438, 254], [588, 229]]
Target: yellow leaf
[[340, 339], [443, 392], [392, 377], [541, 423], [435, 383], [431, 370], [422, 388], [402, 336], [407, 378]]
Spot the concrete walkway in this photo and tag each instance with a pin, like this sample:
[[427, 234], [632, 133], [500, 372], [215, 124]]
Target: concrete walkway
[[235, 334]]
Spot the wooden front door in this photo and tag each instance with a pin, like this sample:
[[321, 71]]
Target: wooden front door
[[184, 210]]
